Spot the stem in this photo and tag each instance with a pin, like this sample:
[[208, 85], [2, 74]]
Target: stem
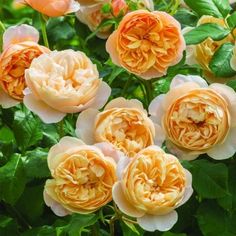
[[149, 90], [44, 31], [60, 128], [127, 84], [112, 225]]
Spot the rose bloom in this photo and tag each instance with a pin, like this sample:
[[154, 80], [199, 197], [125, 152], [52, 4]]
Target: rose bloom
[[123, 123], [63, 82], [20, 47], [151, 186], [52, 8], [83, 177], [146, 43], [93, 16], [202, 53], [197, 118], [91, 2]]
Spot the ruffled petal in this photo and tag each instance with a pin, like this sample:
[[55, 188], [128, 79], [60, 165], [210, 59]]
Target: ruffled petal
[[161, 222], [6, 101], [85, 125], [156, 109], [46, 113]]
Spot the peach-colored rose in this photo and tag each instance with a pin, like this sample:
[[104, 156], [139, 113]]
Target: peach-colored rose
[[91, 2], [52, 8], [202, 53], [93, 15], [63, 82], [83, 177], [20, 48], [146, 43], [151, 186], [197, 118], [123, 123]]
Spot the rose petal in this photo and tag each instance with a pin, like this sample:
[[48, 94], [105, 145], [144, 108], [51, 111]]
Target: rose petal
[[156, 108], [122, 164], [230, 95], [182, 79], [47, 114], [188, 188], [85, 125], [225, 150], [159, 135], [124, 103], [111, 48], [21, 33], [109, 150], [58, 209], [56, 152], [74, 7], [103, 94], [161, 223], [6, 101], [122, 203]]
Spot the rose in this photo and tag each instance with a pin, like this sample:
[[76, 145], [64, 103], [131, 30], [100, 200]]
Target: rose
[[123, 123], [196, 118], [63, 82], [20, 48], [151, 185], [93, 15], [91, 2], [52, 8], [146, 43], [203, 52], [83, 177]]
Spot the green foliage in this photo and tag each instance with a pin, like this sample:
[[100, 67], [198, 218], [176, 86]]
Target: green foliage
[[220, 62], [202, 32], [12, 180], [217, 8]]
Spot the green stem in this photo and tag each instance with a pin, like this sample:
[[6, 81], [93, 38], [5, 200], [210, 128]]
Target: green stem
[[60, 128], [112, 225], [149, 90], [44, 31], [127, 84]]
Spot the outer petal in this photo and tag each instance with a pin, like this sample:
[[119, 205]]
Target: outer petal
[[181, 154], [111, 48], [124, 103], [122, 164], [46, 113], [21, 33], [161, 223], [156, 109], [109, 150], [182, 79], [122, 203], [65, 143], [225, 150], [159, 135], [230, 95], [188, 189], [6, 101], [57, 208], [85, 125], [103, 94], [74, 7]]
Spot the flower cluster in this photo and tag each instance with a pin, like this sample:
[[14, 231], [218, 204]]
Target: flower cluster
[[118, 154]]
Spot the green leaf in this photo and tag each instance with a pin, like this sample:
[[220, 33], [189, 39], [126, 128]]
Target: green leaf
[[202, 32], [231, 20], [32, 209], [6, 135], [232, 84], [8, 226], [78, 223], [27, 130], [35, 163], [214, 221], [173, 234], [217, 8], [129, 229], [41, 231], [186, 17], [220, 62], [12, 180], [210, 180], [2, 29]]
